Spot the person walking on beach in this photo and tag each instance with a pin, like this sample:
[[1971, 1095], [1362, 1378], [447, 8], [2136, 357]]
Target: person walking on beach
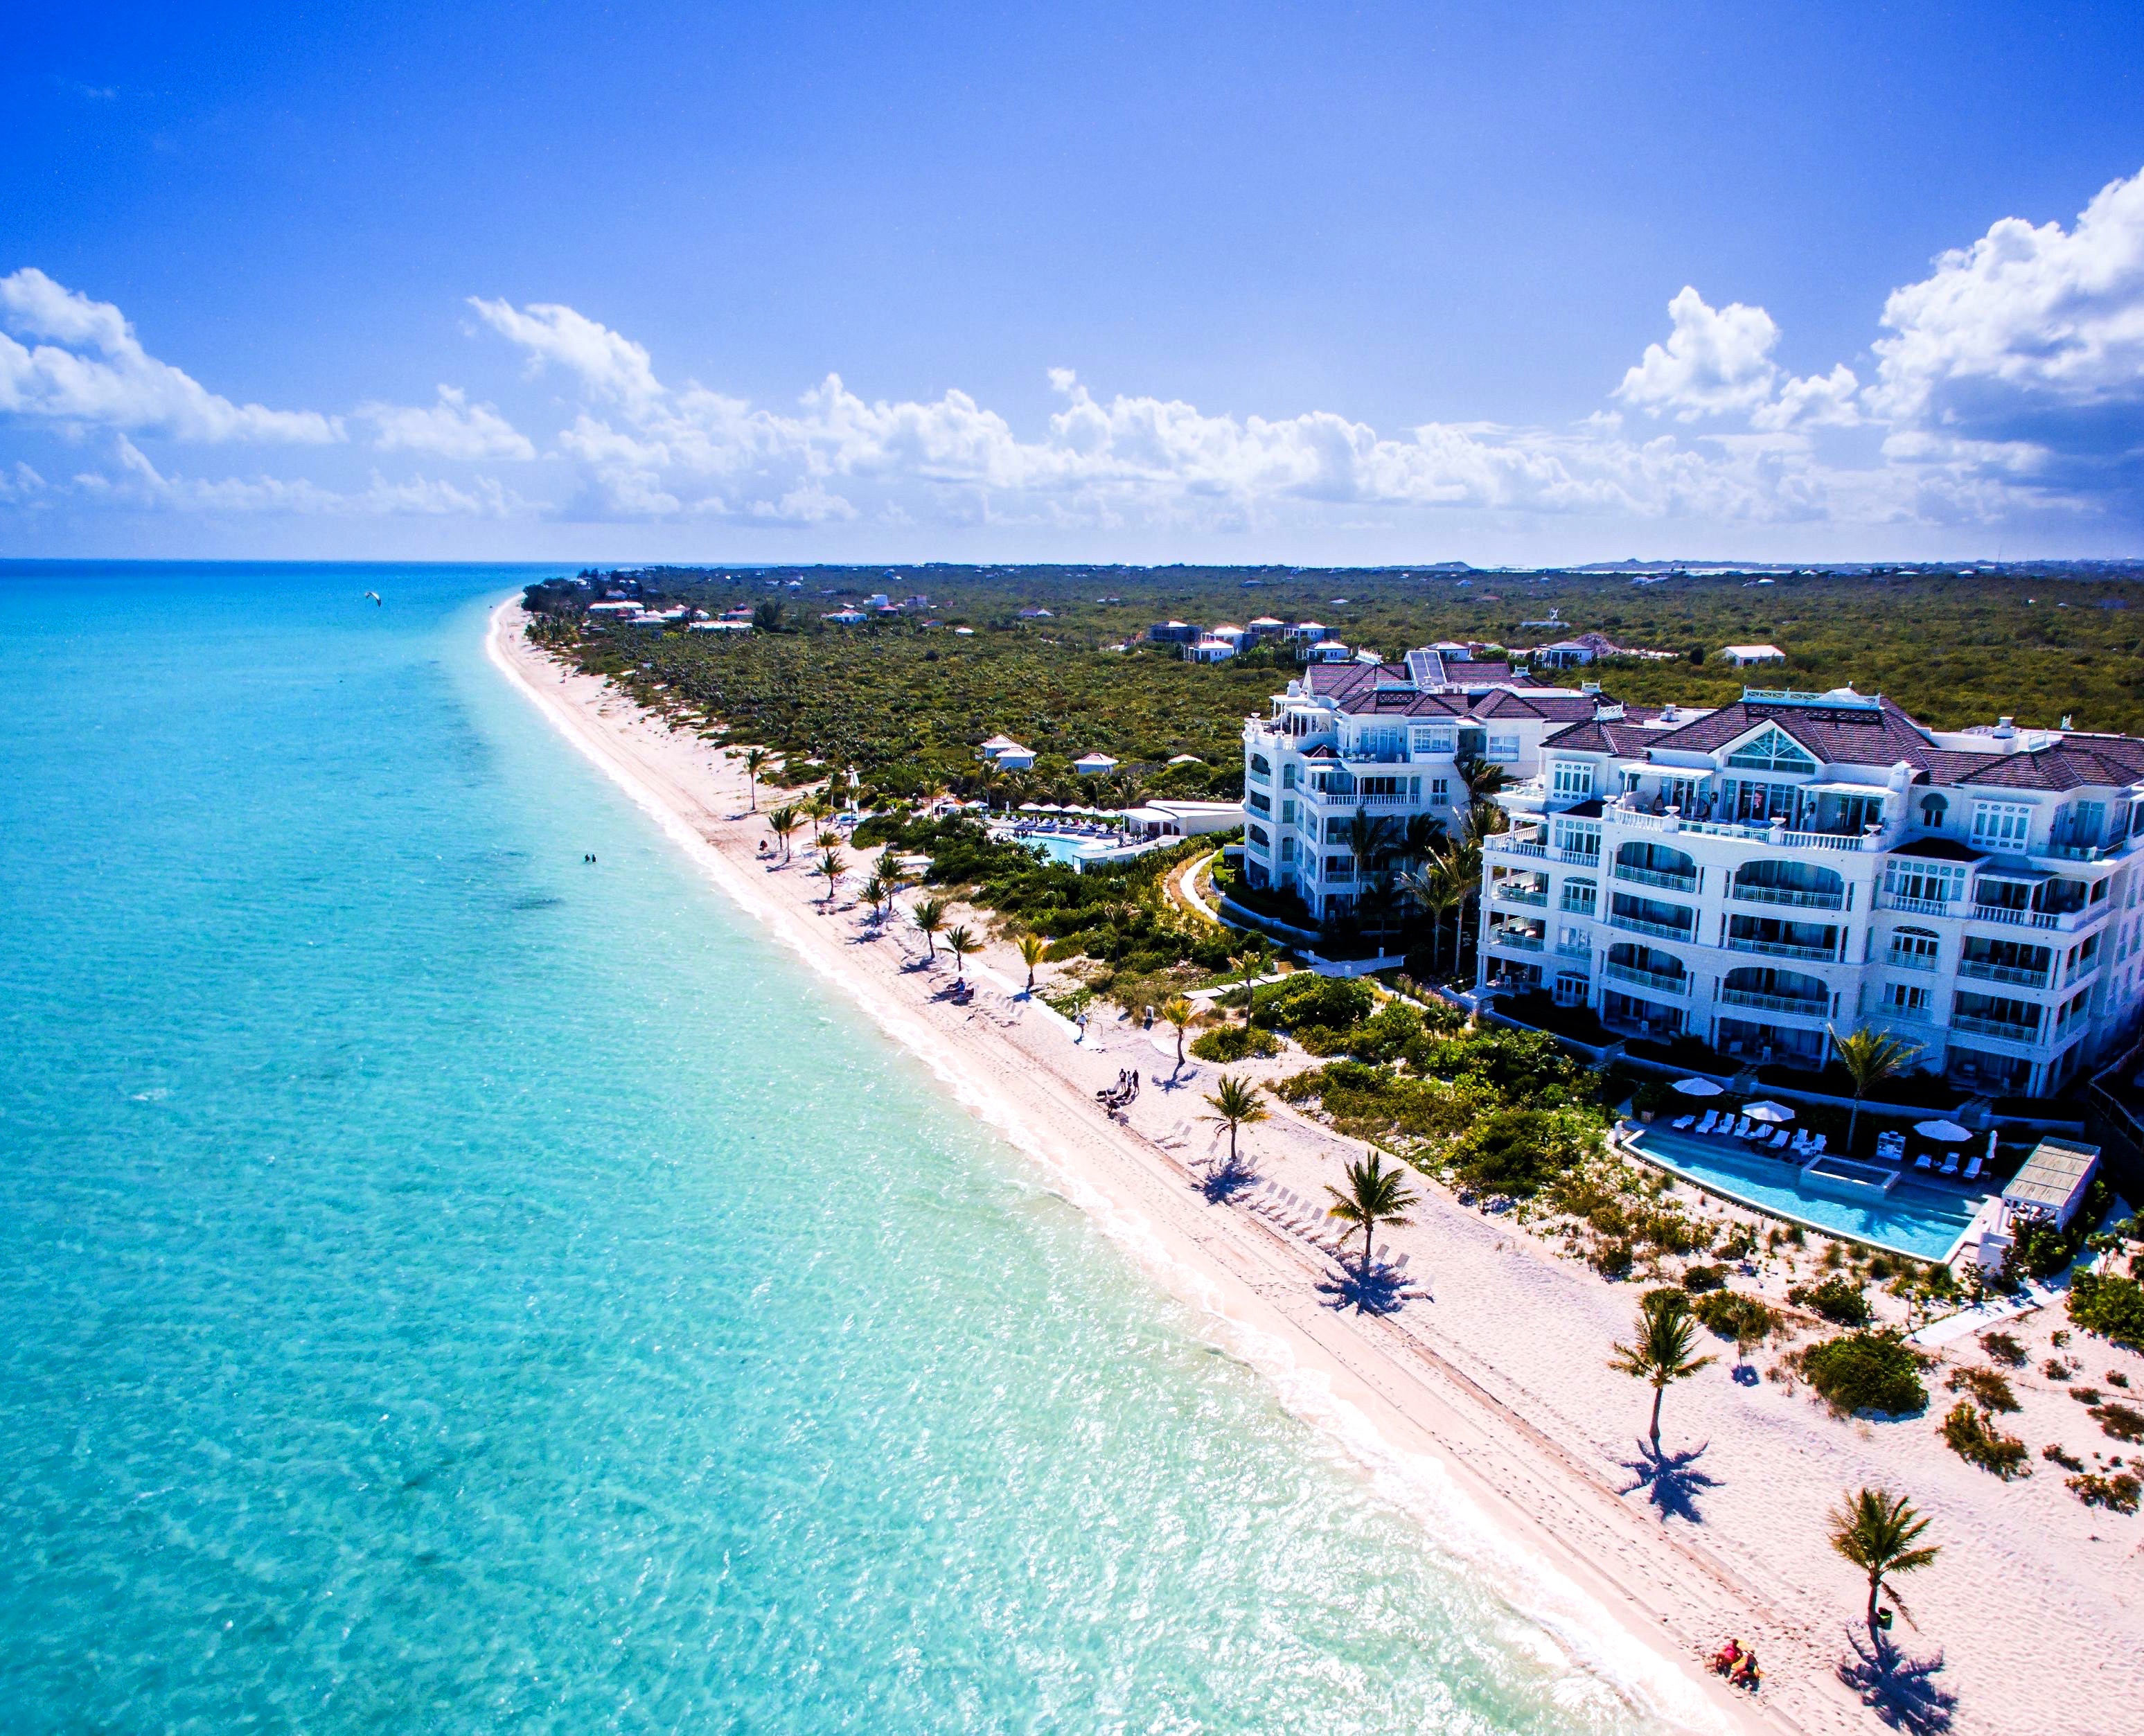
[[1081, 1021]]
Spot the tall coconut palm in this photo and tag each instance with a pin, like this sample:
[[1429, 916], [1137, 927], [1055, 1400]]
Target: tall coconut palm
[[891, 872], [874, 893], [963, 946], [755, 761], [1372, 838], [1235, 1104], [1253, 963], [831, 866], [1178, 1012], [929, 917], [1660, 1349], [1878, 1532], [783, 823], [1374, 1195], [1461, 865], [1869, 1058], [1034, 948], [1422, 838]]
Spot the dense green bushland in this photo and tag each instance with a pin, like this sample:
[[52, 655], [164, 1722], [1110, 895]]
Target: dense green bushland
[[907, 703]]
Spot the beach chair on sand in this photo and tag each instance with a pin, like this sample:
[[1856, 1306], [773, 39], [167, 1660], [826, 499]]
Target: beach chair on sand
[[1711, 1120], [1923, 1162], [1973, 1169], [1681, 1122]]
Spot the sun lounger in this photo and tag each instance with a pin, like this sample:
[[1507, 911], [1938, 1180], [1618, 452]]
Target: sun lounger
[[1745, 1127], [1399, 1265], [1816, 1146], [1950, 1163], [1779, 1139], [1923, 1162], [1973, 1169], [1681, 1121], [1711, 1120], [1800, 1141]]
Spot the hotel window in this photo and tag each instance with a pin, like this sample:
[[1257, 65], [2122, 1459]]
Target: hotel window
[[1288, 811], [1256, 835], [1503, 747], [1579, 895], [1574, 778], [1912, 999], [1260, 767], [1915, 949], [1929, 882], [1439, 791], [1581, 841], [2002, 825], [1575, 939], [1291, 776], [1432, 741], [1287, 850], [1259, 802]]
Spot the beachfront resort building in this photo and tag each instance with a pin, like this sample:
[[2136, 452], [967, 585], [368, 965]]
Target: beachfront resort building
[[1383, 742], [1753, 874]]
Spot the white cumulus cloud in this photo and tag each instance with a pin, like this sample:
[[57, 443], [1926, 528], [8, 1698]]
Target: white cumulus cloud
[[84, 366], [1716, 361], [452, 428]]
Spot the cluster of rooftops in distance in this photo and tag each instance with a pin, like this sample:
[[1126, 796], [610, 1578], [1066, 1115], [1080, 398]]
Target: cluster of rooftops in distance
[[1839, 727], [1316, 643]]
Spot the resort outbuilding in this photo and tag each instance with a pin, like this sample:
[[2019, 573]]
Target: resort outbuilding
[[2053, 1181]]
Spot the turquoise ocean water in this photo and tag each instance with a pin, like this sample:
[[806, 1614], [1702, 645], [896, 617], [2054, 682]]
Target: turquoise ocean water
[[445, 1285]]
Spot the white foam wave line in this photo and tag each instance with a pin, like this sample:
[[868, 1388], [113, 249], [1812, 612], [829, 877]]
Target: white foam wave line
[[1418, 1484]]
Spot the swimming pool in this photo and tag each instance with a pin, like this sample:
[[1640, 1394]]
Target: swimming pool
[[1072, 848], [1913, 1217]]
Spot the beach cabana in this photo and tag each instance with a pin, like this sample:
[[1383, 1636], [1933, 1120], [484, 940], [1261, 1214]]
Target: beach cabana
[[2053, 1182]]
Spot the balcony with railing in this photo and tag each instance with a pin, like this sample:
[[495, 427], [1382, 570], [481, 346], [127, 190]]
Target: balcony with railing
[[1794, 897], [1511, 892], [1576, 903], [1781, 950], [1745, 832], [1886, 900], [1642, 925], [1980, 970], [1654, 877], [1793, 1006], [1968, 1024], [2067, 922], [1661, 982], [1898, 960], [1518, 939], [1513, 844]]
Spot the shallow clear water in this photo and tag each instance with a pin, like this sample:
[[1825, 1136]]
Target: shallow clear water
[[1923, 1222], [449, 1286]]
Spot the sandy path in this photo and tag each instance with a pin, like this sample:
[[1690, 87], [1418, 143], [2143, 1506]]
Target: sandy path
[[1486, 1404]]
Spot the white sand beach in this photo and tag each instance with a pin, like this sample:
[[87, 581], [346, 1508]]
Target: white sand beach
[[1486, 1405]]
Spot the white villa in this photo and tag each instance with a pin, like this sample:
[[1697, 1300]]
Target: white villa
[[1753, 874], [1747, 875]]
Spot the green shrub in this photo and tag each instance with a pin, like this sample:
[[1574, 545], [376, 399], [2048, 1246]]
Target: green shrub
[[1234, 1043], [1865, 1371], [2119, 1491], [1839, 1300], [1304, 998], [1699, 1279], [2111, 1306], [2054, 1454], [2125, 1423], [2002, 1347], [1966, 1430], [1613, 1259], [1989, 1390], [1518, 1151], [1730, 1314]]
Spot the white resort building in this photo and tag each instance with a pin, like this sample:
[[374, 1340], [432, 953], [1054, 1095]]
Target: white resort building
[[1751, 874], [1746, 874]]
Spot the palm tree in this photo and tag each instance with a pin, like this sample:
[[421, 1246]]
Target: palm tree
[[1660, 1351], [961, 945], [1869, 1058], [755, 761], [891, 872], [1372, 838], [1177, 1011], [783, 822], [1423, 835], [1235, 1104], [1375, 1195], [1252, 962], [1462, 866], [874, 893], [832, 866], [1877, 1531], [1032, 950], [929, 917]]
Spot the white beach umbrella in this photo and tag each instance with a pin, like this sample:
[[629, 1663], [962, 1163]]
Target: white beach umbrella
[[1030, 807], [1946, 1132], [1768, 1111], [1695, 1088]]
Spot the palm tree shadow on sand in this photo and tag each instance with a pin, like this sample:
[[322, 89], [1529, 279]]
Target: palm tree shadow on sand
[[1374, 1289], [1900, 1690], [1672, 1481], [1225, 1180]]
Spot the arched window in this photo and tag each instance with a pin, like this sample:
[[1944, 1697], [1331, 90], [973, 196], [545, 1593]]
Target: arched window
[[1933, 808]]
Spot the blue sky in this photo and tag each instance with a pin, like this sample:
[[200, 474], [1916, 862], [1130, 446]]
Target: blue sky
[[1143, 282]]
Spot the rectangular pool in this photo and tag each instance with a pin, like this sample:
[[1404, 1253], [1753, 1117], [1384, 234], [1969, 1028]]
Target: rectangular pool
[[1913, 1218]]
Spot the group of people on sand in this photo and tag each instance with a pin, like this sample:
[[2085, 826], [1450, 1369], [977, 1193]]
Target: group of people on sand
[[1737, 1665], [1120, 1095]]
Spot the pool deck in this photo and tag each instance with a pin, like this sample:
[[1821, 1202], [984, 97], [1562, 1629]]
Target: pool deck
[[1922, 1219]]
